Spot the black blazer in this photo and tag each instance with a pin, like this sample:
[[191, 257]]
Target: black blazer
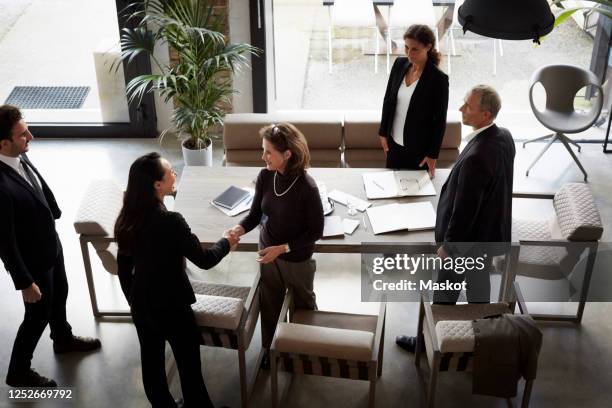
[[153, 277], [426, 118], [28, 242], [476, 200]]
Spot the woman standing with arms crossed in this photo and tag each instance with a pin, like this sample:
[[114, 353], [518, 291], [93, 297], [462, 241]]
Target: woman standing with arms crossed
[[288, 207], [153, 244], [414, 109]]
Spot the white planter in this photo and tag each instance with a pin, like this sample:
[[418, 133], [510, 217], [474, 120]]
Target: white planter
[[202, 157]]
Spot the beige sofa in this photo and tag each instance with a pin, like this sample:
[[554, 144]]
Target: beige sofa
[[335, 139], [323, 131], [362, 147]]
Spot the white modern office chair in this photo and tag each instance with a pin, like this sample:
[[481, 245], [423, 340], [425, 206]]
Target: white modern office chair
[[352, 14], [450, 38], [405, 13]]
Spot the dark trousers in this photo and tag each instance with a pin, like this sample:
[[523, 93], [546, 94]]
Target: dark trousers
[[478, 285], [50, 309], [400, 157], [276, 277], [180, 330]]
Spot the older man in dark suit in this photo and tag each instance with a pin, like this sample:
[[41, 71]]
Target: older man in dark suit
[[474, 212], [32, 253]]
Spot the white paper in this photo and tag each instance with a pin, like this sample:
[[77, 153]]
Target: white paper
[[333, 226], [349, 225], [406, 183], [396, 217], [244, 205], [344, 198]]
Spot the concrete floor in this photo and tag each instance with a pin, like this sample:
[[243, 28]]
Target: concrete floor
[[575, 364]]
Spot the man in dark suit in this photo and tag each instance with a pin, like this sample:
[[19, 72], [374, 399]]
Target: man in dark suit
[[474, 212], [32, 253]]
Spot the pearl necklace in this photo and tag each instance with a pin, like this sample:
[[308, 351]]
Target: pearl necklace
[[284, 192]]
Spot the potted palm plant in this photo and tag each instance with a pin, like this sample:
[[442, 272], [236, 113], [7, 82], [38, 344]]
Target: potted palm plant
[[199, 81]]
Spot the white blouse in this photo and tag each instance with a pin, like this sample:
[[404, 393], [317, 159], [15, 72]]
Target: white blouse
[[404, 95]]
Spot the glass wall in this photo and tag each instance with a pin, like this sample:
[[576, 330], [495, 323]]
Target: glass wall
[[56, 61], [305, 79]]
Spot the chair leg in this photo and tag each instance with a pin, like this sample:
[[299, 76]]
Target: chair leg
[[388, 48], [419, 336], [448, 52], [574, 143], [501, 48], [494, 57], [452, 40], [244, 394], [372, 396], [550, 142], [563, 140], [433, 379], [381, 350], [527, 394], [274, 380], [329, 42], [537, 139], [89, 275], [376, 49]]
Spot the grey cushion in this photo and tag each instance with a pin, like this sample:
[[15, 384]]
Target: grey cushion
[[324, 341], [577, 214], [99, 209]]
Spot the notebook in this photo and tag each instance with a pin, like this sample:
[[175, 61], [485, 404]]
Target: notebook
[[405, 183], [397, 217], [231, 197], [244, 205]]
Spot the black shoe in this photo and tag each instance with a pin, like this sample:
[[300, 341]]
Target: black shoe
[[265, 361], [76, 343], [29, 379], [408, 343]]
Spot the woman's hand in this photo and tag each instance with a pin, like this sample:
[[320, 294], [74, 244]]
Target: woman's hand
[[431, 165], [237, 230], [232, 238], [384, 143], [270, 253]]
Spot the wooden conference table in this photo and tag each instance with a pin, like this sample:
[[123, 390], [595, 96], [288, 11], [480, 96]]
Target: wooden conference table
[[199, 185]]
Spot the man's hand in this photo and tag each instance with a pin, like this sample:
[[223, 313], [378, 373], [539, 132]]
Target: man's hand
[[31, 294], [232, 238], [270, 253], [442, 253], [384, 143], [431, 165]]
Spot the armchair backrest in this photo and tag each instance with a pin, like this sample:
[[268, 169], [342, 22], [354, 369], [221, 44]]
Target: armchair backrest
[[577, 215]]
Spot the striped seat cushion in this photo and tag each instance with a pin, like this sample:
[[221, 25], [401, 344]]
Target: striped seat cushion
[[323, 366]]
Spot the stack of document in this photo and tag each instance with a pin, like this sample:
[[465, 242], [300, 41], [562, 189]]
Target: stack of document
[[337, 227], [387, 184], [396, 217], [242, 206]]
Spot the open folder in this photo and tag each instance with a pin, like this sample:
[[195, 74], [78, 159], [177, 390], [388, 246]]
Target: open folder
[[387, 184], [396, 217]]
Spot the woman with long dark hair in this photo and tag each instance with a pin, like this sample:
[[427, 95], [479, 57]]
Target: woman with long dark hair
[[288, 206], [153, 244], [414, 108]]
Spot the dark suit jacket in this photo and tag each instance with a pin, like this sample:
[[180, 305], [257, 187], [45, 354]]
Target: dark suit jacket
[[476, 200], [426, 118], [153, 277], [28, 242]]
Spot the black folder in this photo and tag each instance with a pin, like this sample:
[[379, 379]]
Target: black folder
[[231, 197]]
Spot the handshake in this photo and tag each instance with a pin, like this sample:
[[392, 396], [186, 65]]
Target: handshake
[[233, 236]]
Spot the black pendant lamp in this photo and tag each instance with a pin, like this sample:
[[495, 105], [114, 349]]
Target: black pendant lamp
[[507, 19]]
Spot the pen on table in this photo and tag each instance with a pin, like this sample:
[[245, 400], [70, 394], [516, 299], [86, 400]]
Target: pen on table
[[378, 185], [365, 225]]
